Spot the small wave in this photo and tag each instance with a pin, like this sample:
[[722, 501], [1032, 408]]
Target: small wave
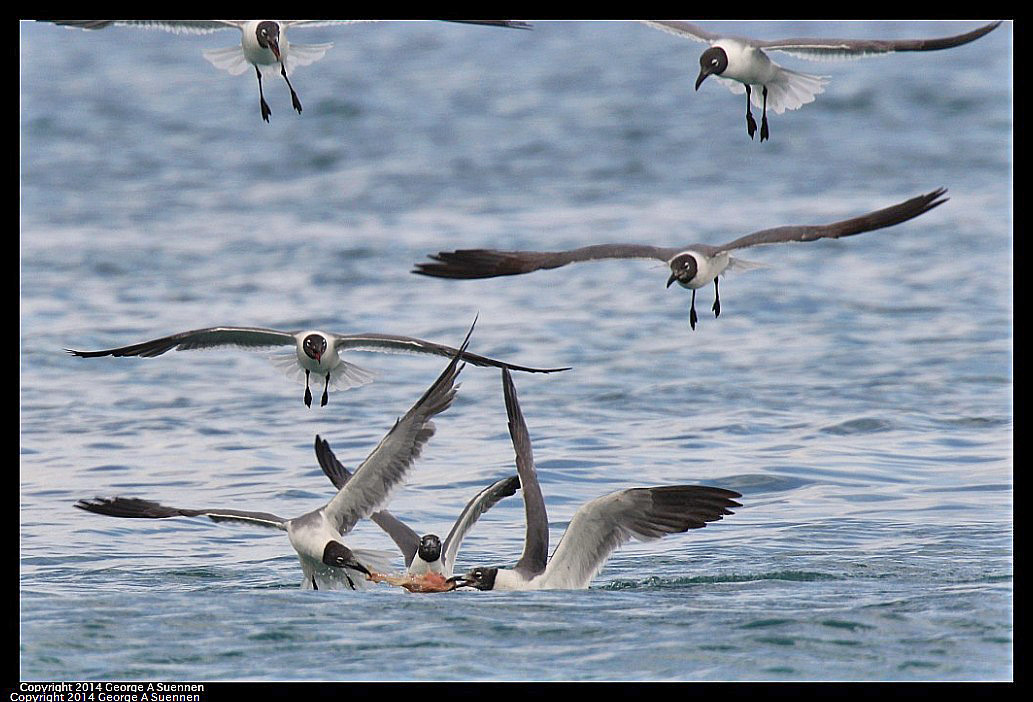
[[656, 582]]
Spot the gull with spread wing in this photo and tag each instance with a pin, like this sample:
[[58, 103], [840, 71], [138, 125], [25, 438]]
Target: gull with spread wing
[[691, 266], [427, 553], [316, 352], [262, 43], [742, 64], [598, 527]]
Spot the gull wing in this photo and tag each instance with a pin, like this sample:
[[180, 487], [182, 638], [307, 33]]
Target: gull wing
[[838, 49], [481, 503], [516, 24], [536, 538], [879, 219], [392, 343], [246, 337], [132, 507], [384, 470], [683, 29], [407, 540], [604, 524], [512, 24], [175, 26], [491, 263]]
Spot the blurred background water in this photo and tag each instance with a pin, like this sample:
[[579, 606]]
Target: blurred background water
[[858, 393]]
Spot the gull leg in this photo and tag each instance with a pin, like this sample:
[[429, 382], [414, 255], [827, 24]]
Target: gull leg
[[751, 124], [692, 311], [261, 96], [764, 119], [294, 96], [308, 393], [717, 300], [326, 395]]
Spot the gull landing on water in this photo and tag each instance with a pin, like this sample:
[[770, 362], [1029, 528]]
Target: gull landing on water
[[691, 266], [742, 64], [326, 562], [316, 352], [423, 554], [262, 43], [597, 528]]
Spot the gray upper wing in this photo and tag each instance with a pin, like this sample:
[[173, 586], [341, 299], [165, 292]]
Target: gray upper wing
[[879, 219], [212, 337], [393, 343], [481, 503], [605, 523], [133, 507], [536, 539], [491, 263], [386, 467], [683, 29], [407, 540], [176, 26], [831, 49], [513, 24]]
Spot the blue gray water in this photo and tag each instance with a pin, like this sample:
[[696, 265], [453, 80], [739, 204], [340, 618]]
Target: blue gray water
[[858, 393]]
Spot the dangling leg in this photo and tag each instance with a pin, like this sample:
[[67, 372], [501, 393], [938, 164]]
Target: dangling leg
[[308, 393], [265, 106], [326, 392], [717, 300], [751, 124], [692, 311], [764, 118], [294, 96]]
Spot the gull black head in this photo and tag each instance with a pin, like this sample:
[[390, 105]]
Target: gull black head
[[268, 35], [430, 548], [337, 555], [314, 346], [480, 578], [683, 269], [712, 61]]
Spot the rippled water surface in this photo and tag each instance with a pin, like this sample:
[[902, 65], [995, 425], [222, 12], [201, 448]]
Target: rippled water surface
[[857, 392]]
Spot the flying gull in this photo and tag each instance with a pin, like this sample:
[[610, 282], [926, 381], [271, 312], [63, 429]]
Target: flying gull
[[262, 43], [742, 64], [691, 266], [316, 352]]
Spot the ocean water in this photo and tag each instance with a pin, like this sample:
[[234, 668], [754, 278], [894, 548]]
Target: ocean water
[[857, 392]]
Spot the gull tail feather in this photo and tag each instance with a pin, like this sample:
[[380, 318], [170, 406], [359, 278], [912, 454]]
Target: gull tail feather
[[230, 59], [792, 91], [344, 377], [303, 55]]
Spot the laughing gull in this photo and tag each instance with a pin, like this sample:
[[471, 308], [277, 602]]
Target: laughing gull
[[427, 553], [597, 528], [262, 43], [327, 563], [740, 63], [316, 352], [692, 266]]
